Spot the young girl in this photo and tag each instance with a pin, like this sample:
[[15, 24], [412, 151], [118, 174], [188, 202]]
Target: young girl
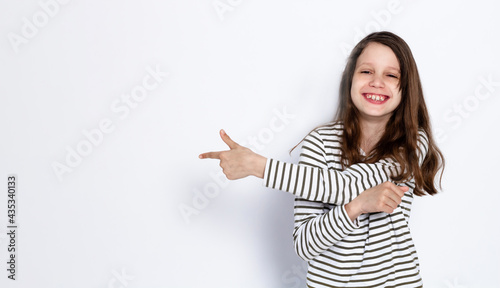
[[356, 177]]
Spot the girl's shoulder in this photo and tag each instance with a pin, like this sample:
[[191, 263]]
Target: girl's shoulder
[[334, 129], [329, 134], [325, 139]]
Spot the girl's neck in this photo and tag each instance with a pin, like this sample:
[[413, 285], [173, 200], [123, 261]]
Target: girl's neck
[[371, 132]]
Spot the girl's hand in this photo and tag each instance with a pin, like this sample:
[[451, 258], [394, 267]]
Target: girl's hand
[[381, 198], [238, 162]]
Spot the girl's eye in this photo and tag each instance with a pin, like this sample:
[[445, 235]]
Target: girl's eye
[[392, 75], [365, 72]]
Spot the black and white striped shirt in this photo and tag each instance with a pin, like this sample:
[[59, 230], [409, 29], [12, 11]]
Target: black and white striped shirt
[[376, 250]]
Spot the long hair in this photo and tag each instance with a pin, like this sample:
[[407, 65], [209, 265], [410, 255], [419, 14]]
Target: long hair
[[401, 132], [400, 138]]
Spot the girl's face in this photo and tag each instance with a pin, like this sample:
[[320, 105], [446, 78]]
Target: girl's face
[[375, 83]]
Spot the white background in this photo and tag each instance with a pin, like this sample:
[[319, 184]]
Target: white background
[[115, 220]]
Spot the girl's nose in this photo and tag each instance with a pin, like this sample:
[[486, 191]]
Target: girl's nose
[[377, 81]]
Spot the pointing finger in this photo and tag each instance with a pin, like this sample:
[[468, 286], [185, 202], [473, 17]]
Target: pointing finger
[[210, 155], [228, 140]]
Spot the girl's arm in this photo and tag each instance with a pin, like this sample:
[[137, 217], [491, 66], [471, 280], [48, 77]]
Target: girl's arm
[[324, 185], [315, 230], [310, 183], [327, 185]]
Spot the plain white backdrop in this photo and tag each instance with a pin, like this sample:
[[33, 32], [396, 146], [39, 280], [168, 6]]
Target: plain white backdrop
[[107, 104]]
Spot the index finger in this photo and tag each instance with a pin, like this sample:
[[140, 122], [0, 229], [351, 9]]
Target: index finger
[[210, 155]]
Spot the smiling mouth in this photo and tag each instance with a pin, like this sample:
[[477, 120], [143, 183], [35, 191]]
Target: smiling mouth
[[375, 98]]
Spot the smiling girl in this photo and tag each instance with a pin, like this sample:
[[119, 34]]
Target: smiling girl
[[357, 176]]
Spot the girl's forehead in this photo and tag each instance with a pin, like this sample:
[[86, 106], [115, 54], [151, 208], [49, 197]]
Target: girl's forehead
[[376, 54]]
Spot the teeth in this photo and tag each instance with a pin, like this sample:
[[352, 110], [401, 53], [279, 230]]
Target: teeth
[[375, 97]]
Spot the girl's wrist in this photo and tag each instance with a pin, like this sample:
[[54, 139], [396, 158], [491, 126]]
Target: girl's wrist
[[353, 210], [259, 166]]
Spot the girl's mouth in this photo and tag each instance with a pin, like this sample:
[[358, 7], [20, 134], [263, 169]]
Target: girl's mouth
[[376, 98]]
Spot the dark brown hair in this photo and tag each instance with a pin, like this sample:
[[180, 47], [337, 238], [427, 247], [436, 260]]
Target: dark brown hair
[[400, 138]]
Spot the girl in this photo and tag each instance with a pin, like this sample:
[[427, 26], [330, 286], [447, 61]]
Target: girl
[[356, 176]]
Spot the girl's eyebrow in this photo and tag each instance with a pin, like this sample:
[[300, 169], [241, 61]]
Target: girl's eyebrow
[[371, 64], [390, 67]]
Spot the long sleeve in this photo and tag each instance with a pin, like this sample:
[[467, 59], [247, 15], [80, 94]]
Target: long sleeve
[[316, 231], [320, 183], [329, 185]]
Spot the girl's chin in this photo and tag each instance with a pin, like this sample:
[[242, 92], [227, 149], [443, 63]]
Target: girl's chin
[[375, 116]]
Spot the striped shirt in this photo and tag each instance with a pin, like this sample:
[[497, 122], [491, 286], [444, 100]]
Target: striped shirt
[[375, 250]]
